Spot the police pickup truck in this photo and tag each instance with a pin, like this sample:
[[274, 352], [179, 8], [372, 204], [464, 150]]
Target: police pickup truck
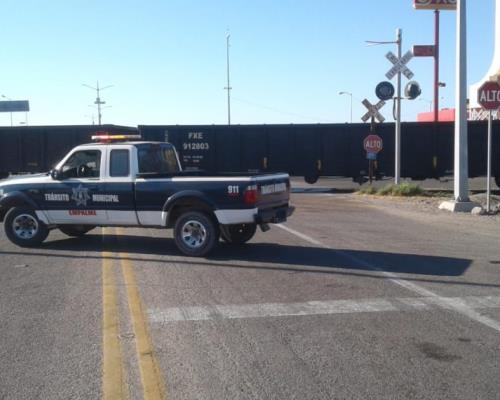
[[118, 181]]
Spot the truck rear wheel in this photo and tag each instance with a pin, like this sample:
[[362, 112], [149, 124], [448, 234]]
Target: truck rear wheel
[[23, 227], [195, 233], [75, 230], [238, 234]]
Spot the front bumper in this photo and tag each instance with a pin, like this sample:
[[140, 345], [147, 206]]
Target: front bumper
[[274, 215]]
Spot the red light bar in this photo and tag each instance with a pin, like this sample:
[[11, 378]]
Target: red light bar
[[106, 137]]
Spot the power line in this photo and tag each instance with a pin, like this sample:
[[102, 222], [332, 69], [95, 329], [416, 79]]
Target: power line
[[281, 111]]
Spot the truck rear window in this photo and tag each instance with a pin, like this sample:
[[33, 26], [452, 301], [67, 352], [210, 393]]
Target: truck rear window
[[157, 159]]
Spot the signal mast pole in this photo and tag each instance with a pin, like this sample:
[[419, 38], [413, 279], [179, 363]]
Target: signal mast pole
[[397, 134]]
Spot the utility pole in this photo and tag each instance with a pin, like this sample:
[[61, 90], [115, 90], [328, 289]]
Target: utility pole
[[98, 100], [228, 87]]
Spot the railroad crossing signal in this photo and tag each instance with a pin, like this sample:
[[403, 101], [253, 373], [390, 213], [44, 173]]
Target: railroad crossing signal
[[373, 111], [399, 65]]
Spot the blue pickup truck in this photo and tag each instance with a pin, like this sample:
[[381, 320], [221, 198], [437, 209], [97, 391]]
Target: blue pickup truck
[[119, 181]]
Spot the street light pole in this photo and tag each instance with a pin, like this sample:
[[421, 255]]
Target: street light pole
[[349, 94], [98, 100], [428, 101]]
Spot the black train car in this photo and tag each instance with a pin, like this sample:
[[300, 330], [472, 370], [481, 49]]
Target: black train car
[[308, 150], [30, 149], [313, 150]]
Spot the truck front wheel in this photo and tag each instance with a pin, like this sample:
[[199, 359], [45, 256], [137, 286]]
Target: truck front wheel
[[238, 234], [195, 233], [23, 227]]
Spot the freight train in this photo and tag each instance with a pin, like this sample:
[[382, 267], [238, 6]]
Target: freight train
[[307, 150]]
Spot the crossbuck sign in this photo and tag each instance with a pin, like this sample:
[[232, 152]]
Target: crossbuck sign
[[399, 65], [373, 111]]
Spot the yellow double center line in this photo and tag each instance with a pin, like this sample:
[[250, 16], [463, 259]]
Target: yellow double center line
[[113, 385], [113, 382]]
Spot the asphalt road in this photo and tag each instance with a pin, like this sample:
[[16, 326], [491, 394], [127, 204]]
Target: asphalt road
[[351, 299]]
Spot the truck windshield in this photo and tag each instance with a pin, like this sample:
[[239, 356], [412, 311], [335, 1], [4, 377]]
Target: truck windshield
[[158, 159]]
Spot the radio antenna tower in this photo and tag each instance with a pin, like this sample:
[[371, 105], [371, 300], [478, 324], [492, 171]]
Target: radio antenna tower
[[98, 100]]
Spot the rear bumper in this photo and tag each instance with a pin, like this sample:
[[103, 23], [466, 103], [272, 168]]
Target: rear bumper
[[274, 215], [254, 215]]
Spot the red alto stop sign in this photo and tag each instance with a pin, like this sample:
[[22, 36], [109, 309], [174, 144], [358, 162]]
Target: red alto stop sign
[[373, 143], [488, 95]]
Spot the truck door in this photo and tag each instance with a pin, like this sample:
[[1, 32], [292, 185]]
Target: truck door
[[118, 196], [72, 199]]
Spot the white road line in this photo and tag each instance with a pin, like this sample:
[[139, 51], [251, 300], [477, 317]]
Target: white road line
[[266, 310], [448, 303]]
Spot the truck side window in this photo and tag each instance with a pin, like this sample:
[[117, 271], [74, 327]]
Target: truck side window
[[157, 159], [119, 163], [83, 164]]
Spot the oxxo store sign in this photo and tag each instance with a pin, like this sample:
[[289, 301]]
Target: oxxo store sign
[[435, 4]]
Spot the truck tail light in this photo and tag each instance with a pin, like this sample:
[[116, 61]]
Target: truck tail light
[[251, 195]]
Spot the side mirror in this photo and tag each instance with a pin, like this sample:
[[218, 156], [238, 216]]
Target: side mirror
[[56, 174]]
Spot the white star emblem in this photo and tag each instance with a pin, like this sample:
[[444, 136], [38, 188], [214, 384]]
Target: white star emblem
[[80, 195]]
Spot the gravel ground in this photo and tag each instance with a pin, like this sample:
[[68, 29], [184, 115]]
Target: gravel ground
[[431, 204]]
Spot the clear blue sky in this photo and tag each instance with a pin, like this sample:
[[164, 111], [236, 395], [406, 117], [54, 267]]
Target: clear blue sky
[[167, 58]]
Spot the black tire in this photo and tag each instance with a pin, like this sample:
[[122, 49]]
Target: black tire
[[311, 179], [23, 227], [75, 230], [195, 233], [238, 234]]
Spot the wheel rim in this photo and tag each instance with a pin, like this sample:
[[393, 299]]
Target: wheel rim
[[25, 226], [194, 234]]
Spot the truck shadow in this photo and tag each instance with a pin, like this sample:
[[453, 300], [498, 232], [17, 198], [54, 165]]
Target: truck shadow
[[301, 257]]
